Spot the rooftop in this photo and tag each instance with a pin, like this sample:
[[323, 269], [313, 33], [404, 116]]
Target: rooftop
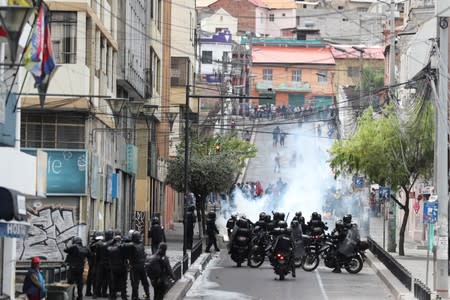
[[292, 55], [373, 52]]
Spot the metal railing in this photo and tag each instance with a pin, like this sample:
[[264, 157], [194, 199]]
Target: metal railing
[[397, 269], [185, 263], [177, 271], [421, 291], [53, 271], [196, 251]]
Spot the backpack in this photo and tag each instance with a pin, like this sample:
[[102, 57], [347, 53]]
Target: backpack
[[154, 267]]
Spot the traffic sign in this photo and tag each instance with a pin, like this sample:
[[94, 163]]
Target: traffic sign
[[430, 212], [384, 193]]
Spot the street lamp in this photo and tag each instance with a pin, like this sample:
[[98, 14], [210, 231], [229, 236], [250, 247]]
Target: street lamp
[[12, 20], [171, 116], [149, 111], [116, 105]]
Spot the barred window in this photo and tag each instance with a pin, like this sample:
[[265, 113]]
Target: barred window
[[296, 75], [53, 130], [267, 74], [64, 36]]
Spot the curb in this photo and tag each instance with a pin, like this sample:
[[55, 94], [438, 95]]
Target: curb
[[398, 290], [182, 286]]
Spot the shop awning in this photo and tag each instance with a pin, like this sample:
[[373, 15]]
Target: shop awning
[[14, 229]]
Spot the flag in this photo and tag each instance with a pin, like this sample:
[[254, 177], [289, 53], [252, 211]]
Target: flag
[[34, 50], [39, 57], [20, 2]]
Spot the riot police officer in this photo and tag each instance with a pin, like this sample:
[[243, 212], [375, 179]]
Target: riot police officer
[[90, 281], [118, 269], [135, 253], [102, 267], [156, 234], [190, 224], [211, 231], [76, 257]]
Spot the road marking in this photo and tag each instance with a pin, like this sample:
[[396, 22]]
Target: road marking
[[322, 289]]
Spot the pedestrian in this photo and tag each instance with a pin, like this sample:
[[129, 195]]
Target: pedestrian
[[190, 224], [34, 283], [247, 136], [159, 271], [156, 234], [282, 138], [277, 167], [135, 253], [118, 269], [211, 231], [276, 136], [76, 258]]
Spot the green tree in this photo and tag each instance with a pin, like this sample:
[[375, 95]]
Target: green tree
[[210, 171], [390, 150]]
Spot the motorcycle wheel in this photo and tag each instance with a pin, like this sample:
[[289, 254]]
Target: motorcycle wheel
[[310, 262], [255, 259], [281, 276], [239, 264], [355, 265]]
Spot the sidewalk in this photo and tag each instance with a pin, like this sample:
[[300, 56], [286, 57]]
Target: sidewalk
[[415, 258]]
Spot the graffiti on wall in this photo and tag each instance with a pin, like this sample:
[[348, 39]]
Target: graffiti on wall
[[50, 231], [139, 218]]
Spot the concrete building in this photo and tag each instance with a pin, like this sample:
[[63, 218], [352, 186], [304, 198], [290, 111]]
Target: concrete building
[[215, 21], [299, 75], [91, 165], [262, 18]]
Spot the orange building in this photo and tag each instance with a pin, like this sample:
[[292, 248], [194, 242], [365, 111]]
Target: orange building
[[298, 75]]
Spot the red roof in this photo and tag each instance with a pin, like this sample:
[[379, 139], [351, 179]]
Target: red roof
[[347, 52], [292, 55]]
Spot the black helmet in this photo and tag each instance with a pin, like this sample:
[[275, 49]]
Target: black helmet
[[282, 215], [294, 223], [301, 220], [282, 224], [76, 240], [347, 219], [117, 239], [298, 214], [211, 215], [109, 234], [262, 216], [268, 218], [276, 216], [315, 216], [155, 220], [241, 223], [136, 237], [339, 224]]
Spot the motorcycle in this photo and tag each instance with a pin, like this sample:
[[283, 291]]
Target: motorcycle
[[313, 248], [282, 259], [259, 249], [352, 262], [240, 249]]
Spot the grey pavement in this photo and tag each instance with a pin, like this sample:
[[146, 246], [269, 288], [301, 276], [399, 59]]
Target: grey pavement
[[415, 258]]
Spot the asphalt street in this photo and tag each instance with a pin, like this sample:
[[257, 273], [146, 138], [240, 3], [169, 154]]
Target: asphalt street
[[223, 280]]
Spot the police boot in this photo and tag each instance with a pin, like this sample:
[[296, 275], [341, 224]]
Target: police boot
[[337, 270]]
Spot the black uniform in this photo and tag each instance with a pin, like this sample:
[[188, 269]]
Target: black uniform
[[118, 269], [211, 231], [156, 234], [161, 283], [102, 269], [135, 252], [90, 281], [76, 257]]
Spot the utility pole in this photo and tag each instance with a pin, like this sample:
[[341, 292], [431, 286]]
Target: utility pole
[[392, 216], [441, 163]]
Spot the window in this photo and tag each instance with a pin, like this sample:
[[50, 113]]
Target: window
[[296, 75], [267, 74], [206, 57], [340, 7], [352, 72], [64, 36], [271, 17], [322, 77], [361, 9], [53, 130], [283, 14], [159, 16]]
